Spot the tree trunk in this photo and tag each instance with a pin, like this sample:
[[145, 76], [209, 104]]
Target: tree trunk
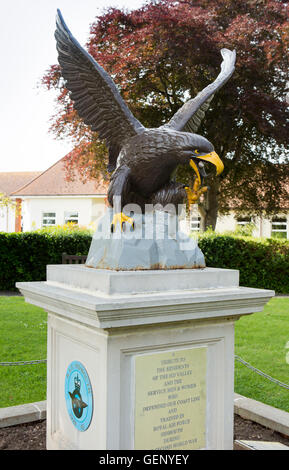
[[208, 208]]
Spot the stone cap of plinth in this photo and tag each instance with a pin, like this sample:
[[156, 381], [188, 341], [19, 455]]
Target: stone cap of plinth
[[115, 299], [140, 282]]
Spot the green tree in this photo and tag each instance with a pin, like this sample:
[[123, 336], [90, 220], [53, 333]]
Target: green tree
[[164, 53]]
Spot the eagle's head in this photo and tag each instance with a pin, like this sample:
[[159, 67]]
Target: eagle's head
[[197, 151]]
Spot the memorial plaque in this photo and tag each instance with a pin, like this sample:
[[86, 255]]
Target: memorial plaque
[[170, 400]]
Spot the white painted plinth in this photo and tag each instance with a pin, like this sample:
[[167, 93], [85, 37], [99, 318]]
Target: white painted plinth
[[158, 347]]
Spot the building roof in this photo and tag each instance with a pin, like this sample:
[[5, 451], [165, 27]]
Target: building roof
[[52, 182], [12, 180]]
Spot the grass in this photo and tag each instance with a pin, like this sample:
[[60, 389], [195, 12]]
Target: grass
[[260, 339], [22, 338]]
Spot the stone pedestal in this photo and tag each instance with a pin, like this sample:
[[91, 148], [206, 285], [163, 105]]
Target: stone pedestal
[[141, 360]]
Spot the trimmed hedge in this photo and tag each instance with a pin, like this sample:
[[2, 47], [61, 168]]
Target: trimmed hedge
[[262, 263], [24, 256]]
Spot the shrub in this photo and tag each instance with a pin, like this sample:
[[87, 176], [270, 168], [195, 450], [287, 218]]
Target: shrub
[[263, 263], [24, 256], [245, 230], [67, 228]]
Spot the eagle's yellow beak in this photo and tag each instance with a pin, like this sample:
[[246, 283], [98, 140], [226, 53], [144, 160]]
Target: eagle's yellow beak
[[214, 158]]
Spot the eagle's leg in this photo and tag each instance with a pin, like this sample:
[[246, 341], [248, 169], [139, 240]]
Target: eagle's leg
[[117, 192], [195, 194]]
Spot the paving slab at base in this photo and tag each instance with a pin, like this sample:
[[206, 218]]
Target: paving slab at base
[[266, 415], [259, 445], [20, 414]]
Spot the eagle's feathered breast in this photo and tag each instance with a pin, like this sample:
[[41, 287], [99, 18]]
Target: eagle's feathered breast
[[153, 156]]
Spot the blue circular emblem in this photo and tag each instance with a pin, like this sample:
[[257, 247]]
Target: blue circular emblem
[[78, 395]]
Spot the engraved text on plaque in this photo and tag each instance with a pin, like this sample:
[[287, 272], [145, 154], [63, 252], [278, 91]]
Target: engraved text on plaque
[[170, 399]]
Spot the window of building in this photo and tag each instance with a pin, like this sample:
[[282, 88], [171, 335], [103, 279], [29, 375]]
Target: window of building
[[279, 227], [71, 217], [195, 223], [48, 219]]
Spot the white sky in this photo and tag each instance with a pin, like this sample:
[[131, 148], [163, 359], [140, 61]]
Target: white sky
[[27, 50]]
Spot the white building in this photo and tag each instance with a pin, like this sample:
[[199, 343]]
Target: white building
[[47, 198], [266, 227], [10, 182], [276, 226]]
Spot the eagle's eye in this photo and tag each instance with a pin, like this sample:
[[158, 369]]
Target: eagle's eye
[[196, 151]]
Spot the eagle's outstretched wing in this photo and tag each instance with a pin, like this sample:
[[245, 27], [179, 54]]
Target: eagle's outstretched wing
[[96, 98], [188, 118]]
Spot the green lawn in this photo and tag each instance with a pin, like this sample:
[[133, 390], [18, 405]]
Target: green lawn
[[260, 339], [22, 338]]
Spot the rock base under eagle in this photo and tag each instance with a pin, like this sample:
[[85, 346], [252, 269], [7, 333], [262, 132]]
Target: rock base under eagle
[[155, 243]]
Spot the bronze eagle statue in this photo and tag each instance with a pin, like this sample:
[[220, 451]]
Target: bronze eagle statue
[[142, 160]]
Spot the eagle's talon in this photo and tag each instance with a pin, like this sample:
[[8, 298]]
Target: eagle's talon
[[121, 219], [194, 195]]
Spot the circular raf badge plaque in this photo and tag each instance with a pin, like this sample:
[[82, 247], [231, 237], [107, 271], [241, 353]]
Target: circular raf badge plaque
[[78, 395]]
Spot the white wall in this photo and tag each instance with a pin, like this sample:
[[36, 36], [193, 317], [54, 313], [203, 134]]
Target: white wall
[[263, 225], [225, 222], [229, 222], [7, 219], [33, 208], [97, 210]]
